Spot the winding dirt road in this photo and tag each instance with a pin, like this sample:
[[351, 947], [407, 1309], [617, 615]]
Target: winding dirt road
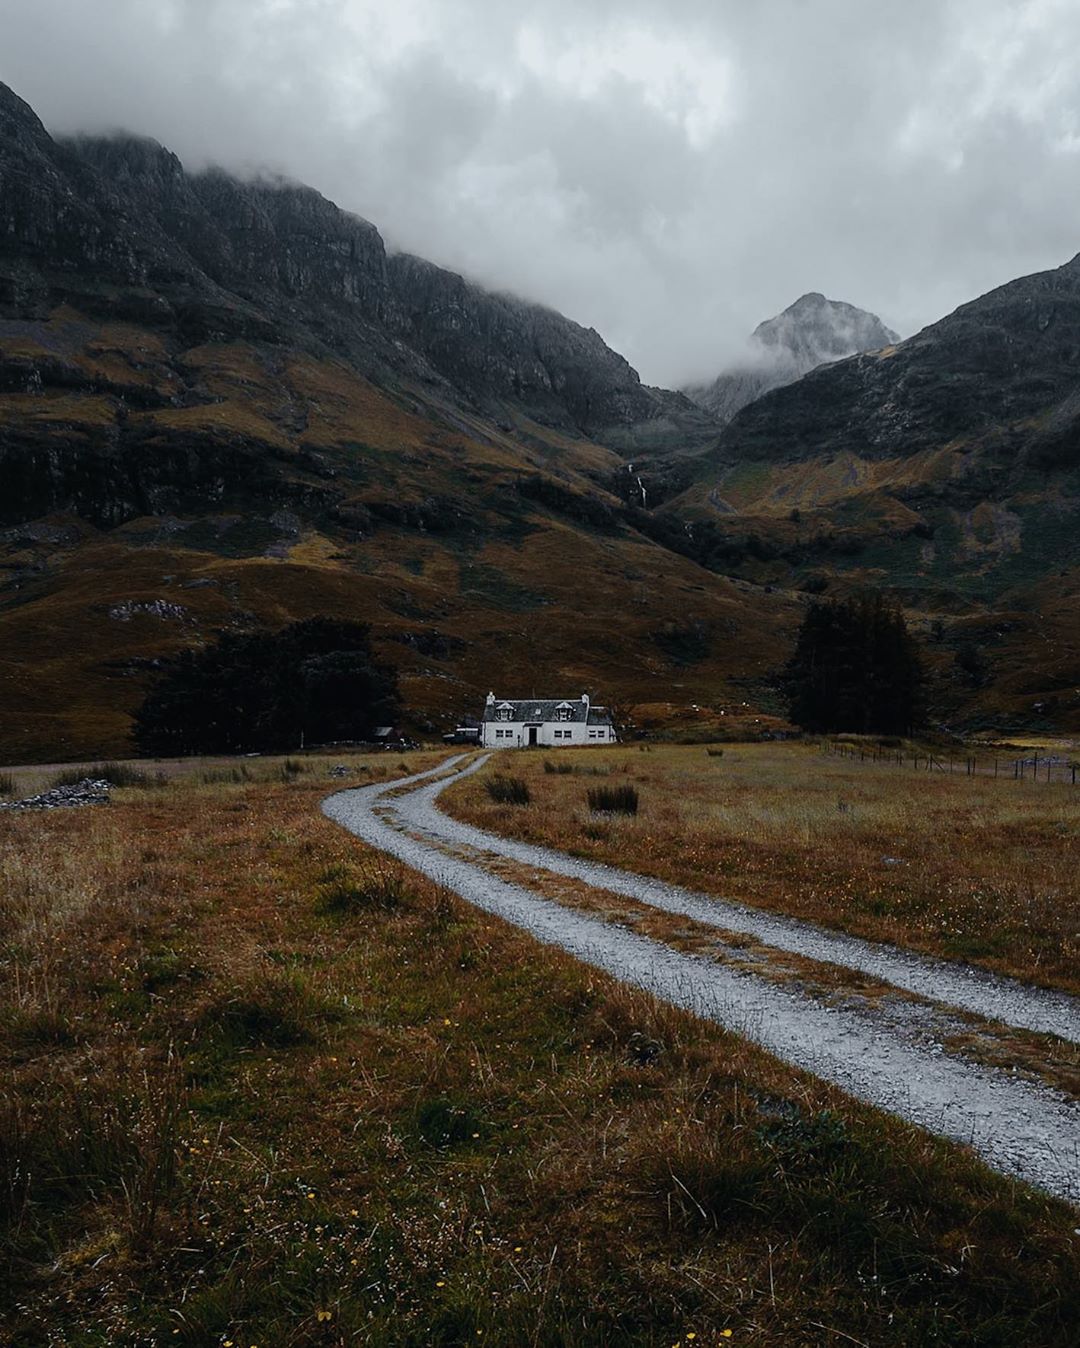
[[1018, 1126]]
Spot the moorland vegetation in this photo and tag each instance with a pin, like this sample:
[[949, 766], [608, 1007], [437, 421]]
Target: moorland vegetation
[[262, 1088]]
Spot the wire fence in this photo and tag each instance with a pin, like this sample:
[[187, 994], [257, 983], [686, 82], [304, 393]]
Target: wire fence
[[1028, 766]]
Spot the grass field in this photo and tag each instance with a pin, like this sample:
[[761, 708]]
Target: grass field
[[969, 868], [262, 1088]]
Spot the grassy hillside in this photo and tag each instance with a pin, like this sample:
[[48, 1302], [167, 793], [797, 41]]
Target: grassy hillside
[[266, 485], [981, 555]]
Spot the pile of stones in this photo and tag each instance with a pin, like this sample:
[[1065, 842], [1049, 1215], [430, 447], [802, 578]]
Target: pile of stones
[[90, 791]]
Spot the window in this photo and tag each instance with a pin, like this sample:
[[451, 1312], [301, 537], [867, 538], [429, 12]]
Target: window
[[564, 712]]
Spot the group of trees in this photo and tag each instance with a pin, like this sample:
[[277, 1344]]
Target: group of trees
[[313, 682], [856, 667]]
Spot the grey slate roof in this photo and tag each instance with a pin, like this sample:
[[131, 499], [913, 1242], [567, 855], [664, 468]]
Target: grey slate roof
[[544, 709]]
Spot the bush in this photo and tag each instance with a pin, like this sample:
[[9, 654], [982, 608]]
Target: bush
[[7, 784], [561, 769], [508, 790], [715, 753], [613, 800]]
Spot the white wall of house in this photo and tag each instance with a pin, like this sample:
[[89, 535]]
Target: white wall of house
[[545, 723], [549, 734]]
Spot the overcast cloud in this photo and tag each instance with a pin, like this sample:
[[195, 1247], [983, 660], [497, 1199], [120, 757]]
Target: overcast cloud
[[669, 173]]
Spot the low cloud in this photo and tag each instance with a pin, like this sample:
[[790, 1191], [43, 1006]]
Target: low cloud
[[670, 178]]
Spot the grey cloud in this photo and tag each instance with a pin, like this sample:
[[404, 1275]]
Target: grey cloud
[[670, 175]]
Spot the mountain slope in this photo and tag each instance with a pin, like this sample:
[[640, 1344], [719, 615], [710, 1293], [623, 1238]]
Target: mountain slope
[[222, 403], [948, 468], [813, 331]]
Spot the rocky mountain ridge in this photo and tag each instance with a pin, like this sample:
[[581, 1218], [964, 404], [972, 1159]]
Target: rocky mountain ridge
[[811, 332], [117, 228]]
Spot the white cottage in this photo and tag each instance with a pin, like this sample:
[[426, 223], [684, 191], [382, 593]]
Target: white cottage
[[521, 722]]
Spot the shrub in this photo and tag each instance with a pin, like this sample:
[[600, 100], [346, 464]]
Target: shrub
[[7, 784], [715, 753], [508, 790], [292, 768], [613, 800], [561, 769]]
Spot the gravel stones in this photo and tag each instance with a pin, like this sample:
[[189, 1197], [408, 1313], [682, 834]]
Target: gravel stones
[[90, 791]]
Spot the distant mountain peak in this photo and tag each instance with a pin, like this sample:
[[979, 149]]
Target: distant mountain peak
[[813, 331]]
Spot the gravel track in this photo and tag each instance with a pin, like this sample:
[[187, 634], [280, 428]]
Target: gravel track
[[957, 985], [1019, 1127]]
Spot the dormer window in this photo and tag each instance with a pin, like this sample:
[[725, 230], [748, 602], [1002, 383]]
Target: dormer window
[[564, 712], [504, 712]]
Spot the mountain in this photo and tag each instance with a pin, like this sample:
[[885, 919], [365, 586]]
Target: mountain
[[225, 403], [946, 468], [813, 331], [117, 227]]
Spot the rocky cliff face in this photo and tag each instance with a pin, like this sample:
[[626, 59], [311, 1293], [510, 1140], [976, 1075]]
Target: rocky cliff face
[[813, 331], [117, 228]]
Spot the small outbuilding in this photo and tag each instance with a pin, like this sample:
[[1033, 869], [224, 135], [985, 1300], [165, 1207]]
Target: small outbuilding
[[518, 723]]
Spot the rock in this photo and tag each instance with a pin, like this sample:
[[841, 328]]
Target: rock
[[90, 791]]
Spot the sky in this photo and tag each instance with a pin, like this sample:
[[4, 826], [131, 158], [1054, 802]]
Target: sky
[[670, 172]]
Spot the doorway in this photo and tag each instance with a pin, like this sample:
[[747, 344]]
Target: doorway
[[534, 731]]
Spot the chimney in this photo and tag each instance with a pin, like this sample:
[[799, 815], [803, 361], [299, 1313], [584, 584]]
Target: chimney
[[585, 698], [491, 699]]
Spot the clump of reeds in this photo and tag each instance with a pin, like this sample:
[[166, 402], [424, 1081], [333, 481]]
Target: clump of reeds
[[377, 887], [508, 790], [613, 800], [116, 774]]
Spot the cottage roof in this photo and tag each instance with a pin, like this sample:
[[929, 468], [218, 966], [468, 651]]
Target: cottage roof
[[530, 709]]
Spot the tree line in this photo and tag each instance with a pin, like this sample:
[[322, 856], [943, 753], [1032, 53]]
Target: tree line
[[314, 682], [855, 667]]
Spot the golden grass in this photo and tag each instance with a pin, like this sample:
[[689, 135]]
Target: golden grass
[[243, 1116], [968, 868]]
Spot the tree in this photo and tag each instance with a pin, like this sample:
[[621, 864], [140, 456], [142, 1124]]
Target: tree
[[856, 667], [315, 680]]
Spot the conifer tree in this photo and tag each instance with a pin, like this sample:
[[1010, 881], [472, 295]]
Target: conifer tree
[[857, 668]]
